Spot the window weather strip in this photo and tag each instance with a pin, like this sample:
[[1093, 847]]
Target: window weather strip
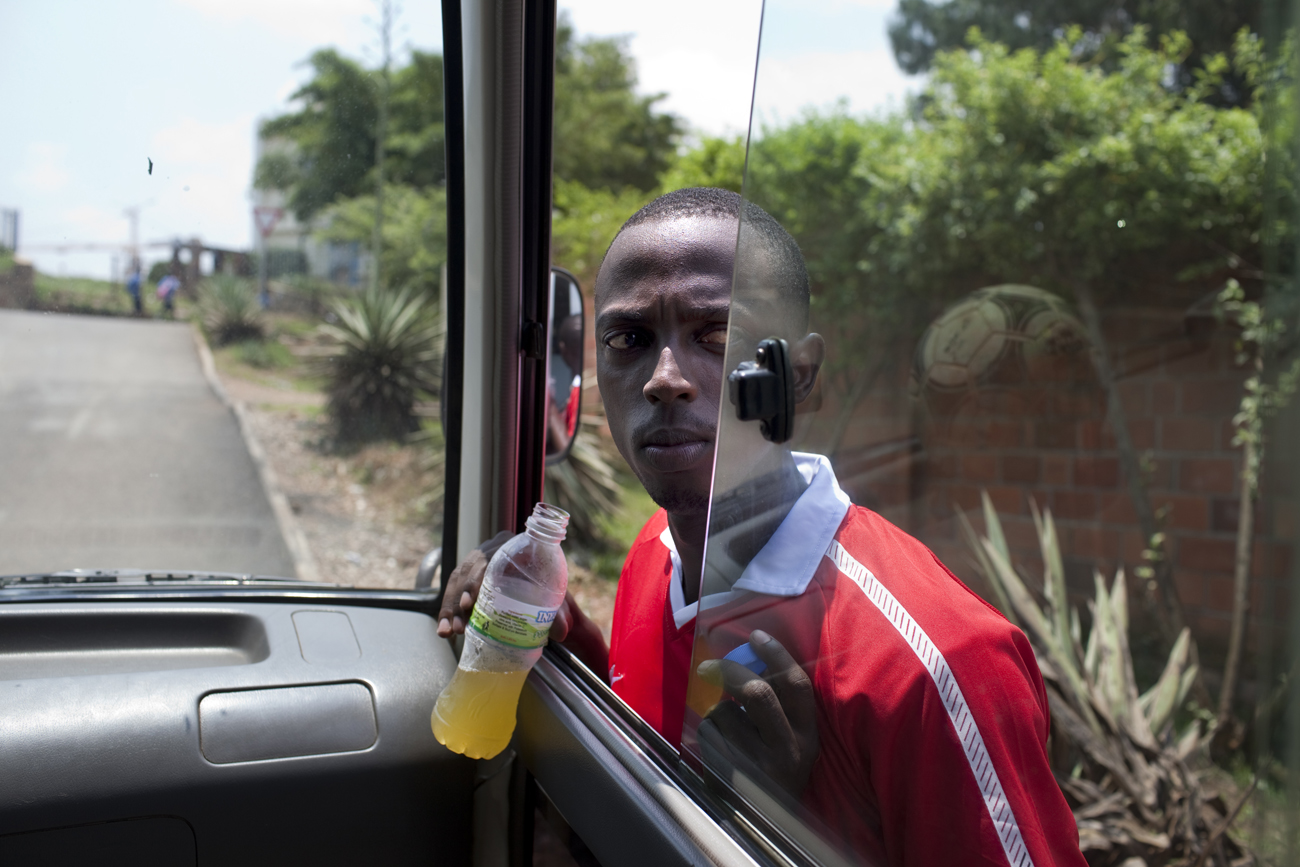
[[453, 373], [945, 682]]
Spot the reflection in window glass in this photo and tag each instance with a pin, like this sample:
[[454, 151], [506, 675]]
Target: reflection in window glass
[[274, 176], [1045, 359]]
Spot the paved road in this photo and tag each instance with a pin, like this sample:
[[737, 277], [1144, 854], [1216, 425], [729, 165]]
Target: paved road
[[115, 452]]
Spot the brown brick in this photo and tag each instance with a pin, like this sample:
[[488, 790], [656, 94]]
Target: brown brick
[[1273, 559], [1183, 512], [1074, 504], [1117, 508], [1214, 397], [1206, 554], [1188, 434], [1224, 514], [979, 467], [1212, 627], [1160, 475], [964, 497], [1091, 541], [1020, 469], [1131, 547], [1091, 472], [1056, 435], [1001, 434], [1207, 475], [1133, 395], [1284, 523], [1164, 397], [1143, 432], [1218, 593], [1191, 587], [1007, 500], [1056, 469], [942, 466], [1020, 532]]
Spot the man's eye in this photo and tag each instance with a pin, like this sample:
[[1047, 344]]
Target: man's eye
[[716, 338], [627, 340]]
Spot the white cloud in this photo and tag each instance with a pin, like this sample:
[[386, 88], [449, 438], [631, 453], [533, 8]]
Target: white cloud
[[311, 21], [44, 168]]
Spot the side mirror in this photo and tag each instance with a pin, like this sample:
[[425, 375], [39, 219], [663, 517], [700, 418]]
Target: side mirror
[[566, 325]]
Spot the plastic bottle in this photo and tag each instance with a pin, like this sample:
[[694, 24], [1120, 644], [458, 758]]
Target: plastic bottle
[[523, 588]]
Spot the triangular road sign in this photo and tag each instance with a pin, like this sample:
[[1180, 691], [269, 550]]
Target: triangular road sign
[[266, 218]]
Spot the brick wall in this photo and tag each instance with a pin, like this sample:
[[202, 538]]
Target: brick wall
[[1179, 387]]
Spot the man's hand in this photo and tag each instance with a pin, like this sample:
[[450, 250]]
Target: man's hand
[[773, 722], [462, 587], [464, 584]]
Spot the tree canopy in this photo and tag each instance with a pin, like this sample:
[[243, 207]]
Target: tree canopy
[[921, 29]]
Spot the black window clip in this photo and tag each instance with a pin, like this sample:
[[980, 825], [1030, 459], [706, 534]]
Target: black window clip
[[763, 389]]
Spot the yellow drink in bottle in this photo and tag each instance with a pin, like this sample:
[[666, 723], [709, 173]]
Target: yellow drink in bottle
[[475, 714], [521, 592]]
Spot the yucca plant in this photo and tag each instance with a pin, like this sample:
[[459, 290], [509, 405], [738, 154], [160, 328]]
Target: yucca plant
[[585, 484], [382, 355], [229, 309], [1119, 756]]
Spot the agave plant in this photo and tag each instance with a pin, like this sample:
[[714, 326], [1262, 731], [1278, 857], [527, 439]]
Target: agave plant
[[229, 309], [1119, 756], [585, 485], [382, 355]]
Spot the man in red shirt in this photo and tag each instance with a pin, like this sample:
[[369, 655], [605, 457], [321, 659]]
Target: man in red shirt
[[893, 709]]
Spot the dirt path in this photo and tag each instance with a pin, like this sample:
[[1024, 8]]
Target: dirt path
[[369, 517]]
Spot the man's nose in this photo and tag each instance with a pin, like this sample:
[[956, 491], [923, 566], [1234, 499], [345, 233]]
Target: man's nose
[[668, 382]]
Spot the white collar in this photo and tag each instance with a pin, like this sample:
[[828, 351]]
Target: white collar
[[786, 564]]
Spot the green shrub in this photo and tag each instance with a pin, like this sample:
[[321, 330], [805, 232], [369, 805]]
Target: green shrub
[[586, 486], [264, 354], [383, 354], [229, 309]]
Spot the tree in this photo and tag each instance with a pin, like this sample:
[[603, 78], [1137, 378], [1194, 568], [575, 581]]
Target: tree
[[922, 29], [414, 233], [606, 135], [334, 132]]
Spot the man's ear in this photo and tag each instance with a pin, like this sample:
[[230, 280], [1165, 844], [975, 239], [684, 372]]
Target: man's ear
[[806, 358]]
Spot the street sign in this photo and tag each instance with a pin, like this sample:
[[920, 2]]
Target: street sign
[[266, 218]]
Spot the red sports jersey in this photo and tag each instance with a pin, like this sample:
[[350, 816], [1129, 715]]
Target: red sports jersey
[[932, 716]]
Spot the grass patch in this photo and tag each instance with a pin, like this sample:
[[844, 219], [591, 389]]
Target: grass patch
[[621, 528], [82, 295], [264, 354]]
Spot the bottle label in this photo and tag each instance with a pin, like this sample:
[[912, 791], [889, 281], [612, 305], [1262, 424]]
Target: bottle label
[[509, 621]]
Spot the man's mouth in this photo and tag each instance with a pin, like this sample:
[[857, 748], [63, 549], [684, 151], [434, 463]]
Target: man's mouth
[[671, 450]]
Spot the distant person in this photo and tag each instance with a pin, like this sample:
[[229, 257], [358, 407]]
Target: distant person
[[167, 289], [133, 289]]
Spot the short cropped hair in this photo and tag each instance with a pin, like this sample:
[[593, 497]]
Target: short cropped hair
[[786, 260]]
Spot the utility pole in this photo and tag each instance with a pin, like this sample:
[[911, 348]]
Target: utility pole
[[133, 252]]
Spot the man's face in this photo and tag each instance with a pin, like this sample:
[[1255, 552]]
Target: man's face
[[661, 333]]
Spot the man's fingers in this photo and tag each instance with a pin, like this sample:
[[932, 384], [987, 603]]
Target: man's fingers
[[462, 592], [563, 622], [762, 705], [738, 729], [793, 686]]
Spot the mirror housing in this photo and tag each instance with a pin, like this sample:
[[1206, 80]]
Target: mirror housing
[[566, 332]]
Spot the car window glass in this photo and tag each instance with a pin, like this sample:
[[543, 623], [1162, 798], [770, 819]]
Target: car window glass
[[210, 213], [640, 102], [983, 479]]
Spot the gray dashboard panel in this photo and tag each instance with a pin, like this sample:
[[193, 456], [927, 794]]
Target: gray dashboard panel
[[100, 708]]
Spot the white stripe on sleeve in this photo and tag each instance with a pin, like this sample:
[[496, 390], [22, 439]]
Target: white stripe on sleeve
[[977, 755]]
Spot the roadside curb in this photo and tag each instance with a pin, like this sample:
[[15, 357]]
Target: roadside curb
[[303, 562]]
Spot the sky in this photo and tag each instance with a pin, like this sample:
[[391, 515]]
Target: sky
[[94, 91]]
